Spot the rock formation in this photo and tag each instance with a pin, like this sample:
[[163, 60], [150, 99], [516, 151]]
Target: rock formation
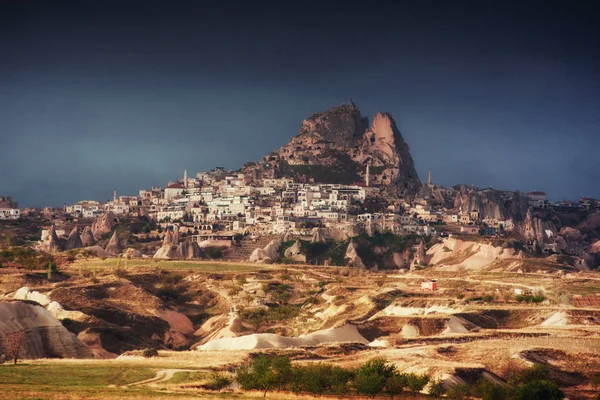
[[132, 253], [318, 236], [294, 252], [188, 250], [268, 254], [171, 249], [52, 243], [114, 247], [103, 224], [336, 145], [74, 240], [352, 256], [419, 257], [45, 336], [87, 237]]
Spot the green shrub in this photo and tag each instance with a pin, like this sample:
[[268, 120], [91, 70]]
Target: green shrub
[[488, 298], [459, 392], [213, 252], [490, 391], [460, 296], [149, 353], [538, 390], [218, 381], [436, 388]]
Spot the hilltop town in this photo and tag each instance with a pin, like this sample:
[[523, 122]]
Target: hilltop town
[[337, 179]]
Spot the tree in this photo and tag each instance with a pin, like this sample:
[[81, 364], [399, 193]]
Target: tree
[[416, 383], [265, 373], [13, 343], [538, 390], [49, 270], [490, 391], [395, 384], [318, 379], [436, 388], [372, 377], [459, 392]]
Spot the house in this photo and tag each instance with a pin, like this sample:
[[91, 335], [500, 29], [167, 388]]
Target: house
[[9, 209], [429, 285], [536, 199], [174, 190], [469, 229]]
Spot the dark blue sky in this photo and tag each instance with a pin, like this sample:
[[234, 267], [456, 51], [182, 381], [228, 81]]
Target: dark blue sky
[[127, 94]]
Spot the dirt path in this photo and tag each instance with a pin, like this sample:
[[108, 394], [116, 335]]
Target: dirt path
[[232, 316], [161, 376]]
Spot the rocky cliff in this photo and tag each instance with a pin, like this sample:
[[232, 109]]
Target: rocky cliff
[[45, 336], [335, 146]]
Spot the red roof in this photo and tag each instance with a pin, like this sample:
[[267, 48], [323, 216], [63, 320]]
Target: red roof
[[537, 193], [176, 186]]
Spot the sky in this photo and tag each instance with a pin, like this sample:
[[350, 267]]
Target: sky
[[124, 95]]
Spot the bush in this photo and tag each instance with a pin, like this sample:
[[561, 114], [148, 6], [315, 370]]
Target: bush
[[437, 389], [460, 296], [149, 353], [490, 391], [213, 252], [488, 298], [218, 381], [459, 392], [538, 390]]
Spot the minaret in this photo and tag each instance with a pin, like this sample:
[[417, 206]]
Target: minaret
[[429, 179], [185, 178], [115, 196], [367, 174]]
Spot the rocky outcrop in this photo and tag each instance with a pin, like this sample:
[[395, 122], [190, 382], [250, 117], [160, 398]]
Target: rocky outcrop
[[114, 247], [103, 224], [52, 243], [87, 237], [188, 250], [318, 236], [74, 240], [352, 256], [336, 145], [536, 228], [44, 335], [419, 258], [171, 249], [132, 253], [492, 204], [294, 252], [268, 254]]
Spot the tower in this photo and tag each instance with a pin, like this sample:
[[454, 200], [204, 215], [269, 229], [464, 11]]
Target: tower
[[115, 196], [185, 179], [429, 178], [367, 174]]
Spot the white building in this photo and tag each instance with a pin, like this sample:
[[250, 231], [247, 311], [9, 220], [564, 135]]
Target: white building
[[174, 190]]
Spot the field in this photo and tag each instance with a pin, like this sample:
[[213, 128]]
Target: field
[[472, 326], [192, 266]]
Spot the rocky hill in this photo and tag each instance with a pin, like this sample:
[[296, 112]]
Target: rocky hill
[[336, 145]]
